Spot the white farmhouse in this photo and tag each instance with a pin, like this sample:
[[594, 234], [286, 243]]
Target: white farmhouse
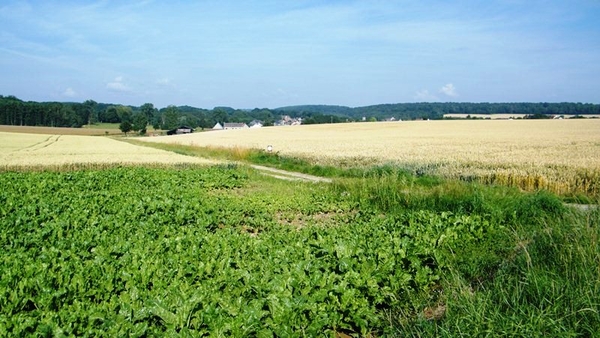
[[230, 126]]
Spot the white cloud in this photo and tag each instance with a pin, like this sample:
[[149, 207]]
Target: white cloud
[[69, 92], [425, 95], [449, 90], [118, 85]]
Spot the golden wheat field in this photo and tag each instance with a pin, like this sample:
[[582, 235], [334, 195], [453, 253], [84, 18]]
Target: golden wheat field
[[20, 150], [560, 155]]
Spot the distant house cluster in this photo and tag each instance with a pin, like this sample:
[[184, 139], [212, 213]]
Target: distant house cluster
[[286, 120], [230, 126], [233, 126]]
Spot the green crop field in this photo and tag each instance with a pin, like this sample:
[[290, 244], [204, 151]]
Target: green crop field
[[225, 250]]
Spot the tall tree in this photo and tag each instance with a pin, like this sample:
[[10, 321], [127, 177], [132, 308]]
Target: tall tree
[[148, 110], [125, 113], [140, 121], [90, 111], [220, 115], [70, 116], [110, 115], [125, 126], [170, 118]]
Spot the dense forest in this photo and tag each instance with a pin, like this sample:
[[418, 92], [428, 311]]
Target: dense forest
[[14, 111]]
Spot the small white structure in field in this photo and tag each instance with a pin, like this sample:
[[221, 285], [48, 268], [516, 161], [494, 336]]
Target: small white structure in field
[[229, 126], [218, 126], [256, 124]]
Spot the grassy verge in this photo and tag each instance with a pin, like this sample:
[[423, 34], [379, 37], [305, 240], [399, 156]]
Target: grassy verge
[[275, 160], [548, 285], [533, 270], [254, 156]]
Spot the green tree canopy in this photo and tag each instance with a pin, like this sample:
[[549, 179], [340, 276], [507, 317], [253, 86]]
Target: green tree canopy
[[219, 115], [125, 113], [91, 116], [140, 121], [109, 115], [125, 126], [170, 118], [148, 110]]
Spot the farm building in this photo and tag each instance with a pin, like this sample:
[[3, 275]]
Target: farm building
[[256, 124], [230, 126], [181, 130]]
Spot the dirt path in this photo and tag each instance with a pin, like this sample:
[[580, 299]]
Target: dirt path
[[289, 175], [583, 207]]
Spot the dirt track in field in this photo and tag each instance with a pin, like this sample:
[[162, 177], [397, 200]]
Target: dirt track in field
[[290, 175]]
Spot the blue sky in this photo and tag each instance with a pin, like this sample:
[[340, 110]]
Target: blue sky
[[248, 54]]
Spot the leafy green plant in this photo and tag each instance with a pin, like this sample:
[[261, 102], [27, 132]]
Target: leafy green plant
[[222, 251]]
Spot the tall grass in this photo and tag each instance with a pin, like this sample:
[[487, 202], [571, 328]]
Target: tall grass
[[536, 274], [254, 156], [549, 288]]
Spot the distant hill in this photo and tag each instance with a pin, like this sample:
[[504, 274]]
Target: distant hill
[[436, 110], [188, 110], [322, 109]]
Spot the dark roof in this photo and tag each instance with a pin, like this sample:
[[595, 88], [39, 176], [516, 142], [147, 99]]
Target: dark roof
[[234, 125], [176, 130]]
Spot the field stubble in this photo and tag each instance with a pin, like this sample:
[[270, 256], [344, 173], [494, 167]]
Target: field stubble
[[562, 156]]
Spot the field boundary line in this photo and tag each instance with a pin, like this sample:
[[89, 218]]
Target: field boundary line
[[290, 175]]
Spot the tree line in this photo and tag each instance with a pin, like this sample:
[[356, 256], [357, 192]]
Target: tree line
[[436, 110], [14, 111]]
